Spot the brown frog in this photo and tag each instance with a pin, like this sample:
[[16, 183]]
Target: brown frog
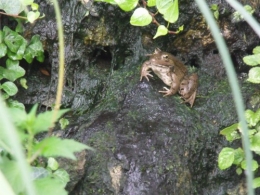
[[173, 73]]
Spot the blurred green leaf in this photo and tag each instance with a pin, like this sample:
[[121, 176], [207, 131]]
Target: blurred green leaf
[[126, 5], [11, 6], [252, 60], [10, 88], [226, 158], [161, 30], [254, 75], [141, 17]]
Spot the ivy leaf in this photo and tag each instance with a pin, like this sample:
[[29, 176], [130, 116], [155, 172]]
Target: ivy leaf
[[239, 171], [126, 5], [256, 50], [226, 158], [10, 88], [163, 5], [44, 120], [13, 71], [141, 17], [13, 7], [252, 117], [39, 172], [151, 3], [255, 142], [214, 7], [161, 30], [252, 60], [15, 104], [172, 13], [3, 50], [34, 49], [254, 75], [34, 6], [32, 16], [14, 41], [256, 182], [216, 14], [239, 156], [230, 132], [54, 146], [254, 165]]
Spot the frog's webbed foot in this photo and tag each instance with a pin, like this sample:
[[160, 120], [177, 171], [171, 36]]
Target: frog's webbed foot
[[191, 99], [167, 92], [145, 74]]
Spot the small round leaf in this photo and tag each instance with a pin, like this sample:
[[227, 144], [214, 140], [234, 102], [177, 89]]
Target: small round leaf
[[10, 88], [161, 30], [141, 17], [254, 75], [226, 158]]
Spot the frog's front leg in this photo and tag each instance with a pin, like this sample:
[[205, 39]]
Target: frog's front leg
[[188, 88], [173, 87], [145, 70]]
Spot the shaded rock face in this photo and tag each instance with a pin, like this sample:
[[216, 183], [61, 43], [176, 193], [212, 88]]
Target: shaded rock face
[[145, 143]]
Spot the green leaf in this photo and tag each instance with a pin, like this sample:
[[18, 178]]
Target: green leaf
[[256, 182], [163, 5], [54, 146], [53, 164], [226, 158], [44, 120], [34, 49], [254, 165], [15, 42], [256, 50], [214, 7], [252, 60], [254, 75], [3, 50], [180, 29], [12, 173], [19, 117], [172, 13], [15, 104], [11, 6], [10, 88], [63, 122], [50, 186], [62, 175], [255, 142], [216, 14], [34, 6], [161, 30], [230, 132], [23, 83], [39, 172], [252, 117], [239, 156], [151, 3], [13, 71], [32, 16], [141, 17], [239, 171], [126, 5]]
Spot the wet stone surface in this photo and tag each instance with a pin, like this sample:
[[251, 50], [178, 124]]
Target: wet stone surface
[[145, 144]]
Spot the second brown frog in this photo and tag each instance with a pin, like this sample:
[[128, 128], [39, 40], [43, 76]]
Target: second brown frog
[[173, 73]]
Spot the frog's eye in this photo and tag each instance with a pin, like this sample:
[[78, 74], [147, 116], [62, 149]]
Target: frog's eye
[[165, 56]]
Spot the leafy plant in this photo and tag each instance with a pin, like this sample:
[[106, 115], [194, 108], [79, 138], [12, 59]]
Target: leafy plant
[[214, 8], [253, 60], [13, 48], [29, 125], [237, 17], [229, 156], [142, 16], [15, 7]]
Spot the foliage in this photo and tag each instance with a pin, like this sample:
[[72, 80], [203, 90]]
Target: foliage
[[13, 48], [253, 60], [229, 156], [15, 7], [214, 8], [237, 17], [142, 16], [49, 179]]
